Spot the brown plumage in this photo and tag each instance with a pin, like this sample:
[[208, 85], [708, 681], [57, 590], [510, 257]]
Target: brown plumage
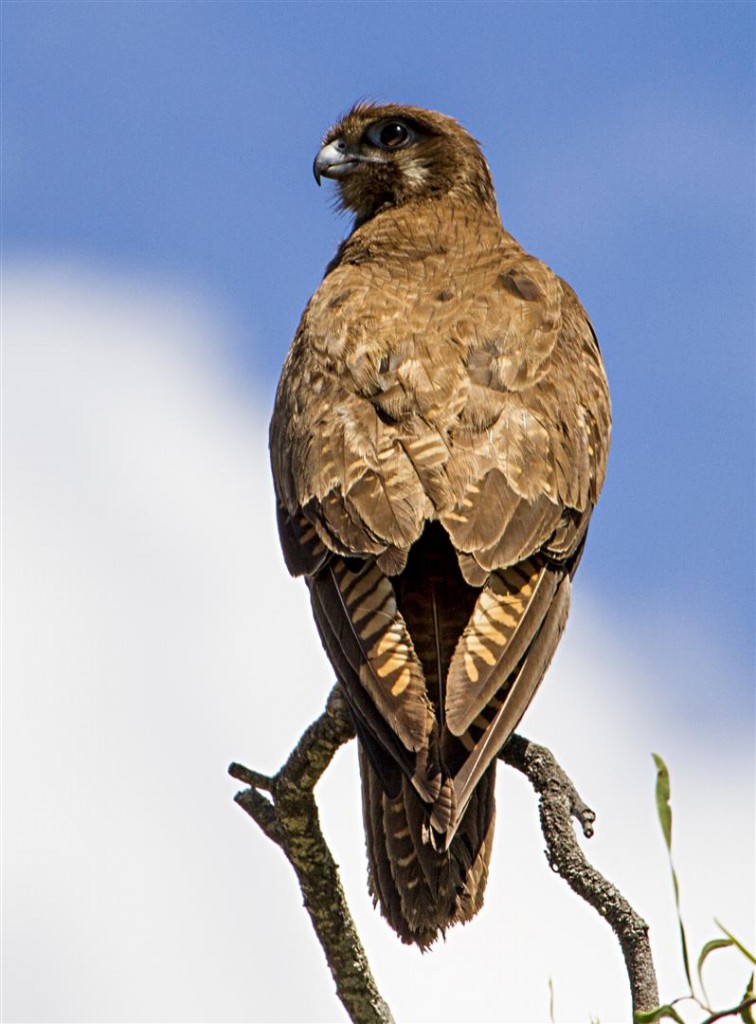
[[438, 443]]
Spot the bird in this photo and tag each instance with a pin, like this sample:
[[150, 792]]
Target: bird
[[438, 443]]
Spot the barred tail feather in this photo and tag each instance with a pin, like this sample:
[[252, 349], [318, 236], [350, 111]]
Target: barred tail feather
[[421, 888]]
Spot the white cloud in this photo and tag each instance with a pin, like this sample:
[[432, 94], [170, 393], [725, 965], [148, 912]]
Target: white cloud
[[151, 636]]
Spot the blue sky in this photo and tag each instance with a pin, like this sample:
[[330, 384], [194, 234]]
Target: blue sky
[[162, 232]]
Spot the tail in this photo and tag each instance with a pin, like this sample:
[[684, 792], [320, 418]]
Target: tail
[[422, 890]]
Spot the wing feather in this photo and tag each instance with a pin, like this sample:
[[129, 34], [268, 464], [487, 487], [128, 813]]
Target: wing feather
[[384, 746], [507, 615], [386, 663], [517, 698]]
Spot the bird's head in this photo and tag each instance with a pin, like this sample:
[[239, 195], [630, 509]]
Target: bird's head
[[390, 155]]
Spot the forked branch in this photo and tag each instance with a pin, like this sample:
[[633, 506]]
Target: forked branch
[[284, 807]]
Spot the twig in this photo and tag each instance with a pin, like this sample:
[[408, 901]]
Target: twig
[[291, 821], [559, 802], [745, 1005]]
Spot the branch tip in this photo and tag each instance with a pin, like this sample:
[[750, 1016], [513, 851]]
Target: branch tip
[[249, 777]]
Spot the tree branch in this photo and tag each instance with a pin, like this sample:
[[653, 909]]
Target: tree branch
[[291, 821], [559, 802], [288, 816]]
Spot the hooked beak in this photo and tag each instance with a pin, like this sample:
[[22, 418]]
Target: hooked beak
[[334, 161]]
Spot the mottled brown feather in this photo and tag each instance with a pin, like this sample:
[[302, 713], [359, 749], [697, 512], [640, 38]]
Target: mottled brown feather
[[441, 430]]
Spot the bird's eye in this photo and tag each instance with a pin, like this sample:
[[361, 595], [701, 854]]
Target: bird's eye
[[389, 134], [393, 135]]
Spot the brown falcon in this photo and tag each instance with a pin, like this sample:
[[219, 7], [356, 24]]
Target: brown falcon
[[439, 441]]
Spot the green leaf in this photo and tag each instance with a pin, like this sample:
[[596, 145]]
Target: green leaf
[[651, 1016], [663, 808], [664, 811], [747, 1002], [746, 953], [709, 947]]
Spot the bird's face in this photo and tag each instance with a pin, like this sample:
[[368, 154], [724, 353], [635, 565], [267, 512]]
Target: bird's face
[[389, 155]]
